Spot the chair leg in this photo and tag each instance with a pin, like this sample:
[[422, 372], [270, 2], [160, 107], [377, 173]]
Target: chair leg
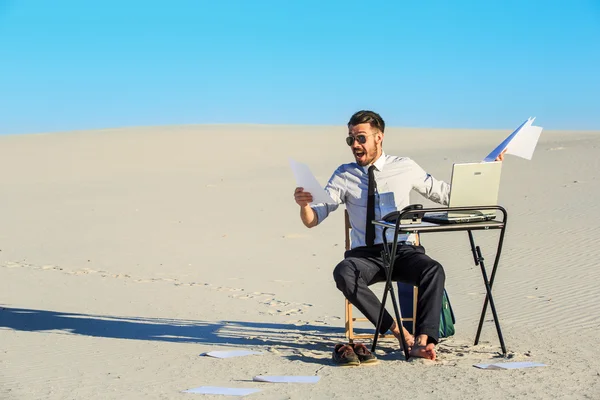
[[414, 315], [349, 322]]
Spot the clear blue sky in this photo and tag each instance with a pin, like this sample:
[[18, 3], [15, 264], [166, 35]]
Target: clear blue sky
[[88, 64]]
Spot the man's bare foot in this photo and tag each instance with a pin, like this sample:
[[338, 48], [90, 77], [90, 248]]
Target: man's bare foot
[[410, 339], [427, 351]]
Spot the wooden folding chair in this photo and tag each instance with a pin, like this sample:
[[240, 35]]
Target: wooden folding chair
[[350, 320]]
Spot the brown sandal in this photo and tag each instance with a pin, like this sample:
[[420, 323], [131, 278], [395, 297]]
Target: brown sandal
[[364, 355], [344, 355]]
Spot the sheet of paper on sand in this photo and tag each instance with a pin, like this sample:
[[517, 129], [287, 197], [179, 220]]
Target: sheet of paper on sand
[[510, 365], [287, 379], [222, 390], [520, 143], [306, 180], [230, 353]]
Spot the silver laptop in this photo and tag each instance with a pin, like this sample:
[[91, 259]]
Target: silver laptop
[[472, 184]]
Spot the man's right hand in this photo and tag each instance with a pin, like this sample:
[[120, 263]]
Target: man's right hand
[[302, 198], [307, 214]]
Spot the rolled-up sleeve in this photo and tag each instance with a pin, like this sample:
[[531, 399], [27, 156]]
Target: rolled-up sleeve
[[428, 186], [336, 188]]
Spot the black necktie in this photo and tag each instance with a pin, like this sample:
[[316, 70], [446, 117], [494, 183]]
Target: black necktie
[[370, 228]]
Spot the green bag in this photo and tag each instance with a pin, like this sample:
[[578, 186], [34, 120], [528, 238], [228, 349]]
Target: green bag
[[405, 297], [447, 320]]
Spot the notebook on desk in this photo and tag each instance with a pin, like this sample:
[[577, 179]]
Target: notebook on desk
[[471, 184]]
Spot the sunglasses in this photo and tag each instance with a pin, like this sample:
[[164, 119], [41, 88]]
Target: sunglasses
[[362, 139]]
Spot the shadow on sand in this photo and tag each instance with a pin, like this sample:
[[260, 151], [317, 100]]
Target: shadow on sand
[[283, 337]]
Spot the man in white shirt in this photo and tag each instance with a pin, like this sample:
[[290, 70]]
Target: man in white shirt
[[372, 186]]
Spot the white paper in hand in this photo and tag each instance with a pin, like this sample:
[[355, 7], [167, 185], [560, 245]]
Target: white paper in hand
[[287, 379], [524, 142], [520, 143], [306, 180]]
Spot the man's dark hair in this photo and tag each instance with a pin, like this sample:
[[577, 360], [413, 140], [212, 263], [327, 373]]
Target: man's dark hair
[[370, 117]]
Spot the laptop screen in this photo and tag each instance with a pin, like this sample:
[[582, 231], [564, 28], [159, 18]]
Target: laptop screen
[[475, 184]]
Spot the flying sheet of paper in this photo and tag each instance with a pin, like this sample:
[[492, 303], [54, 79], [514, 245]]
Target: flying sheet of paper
[[287, 379], [228, 354], [523, 144], [222, 390], [305, 179], [520, 143], [510, 365]]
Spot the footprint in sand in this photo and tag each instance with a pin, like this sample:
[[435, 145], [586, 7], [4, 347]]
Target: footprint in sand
[[253, 295], [293, 311], [85, 271], [263, 294], [327, 320], [267, 299], [227, 289], [53, 267], [199, 284], [277, 303], [11, 264]]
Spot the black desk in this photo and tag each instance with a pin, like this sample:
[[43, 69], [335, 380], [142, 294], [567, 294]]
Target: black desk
[[402, 225]]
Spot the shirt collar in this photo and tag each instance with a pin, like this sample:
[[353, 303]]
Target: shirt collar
[[379, 163]]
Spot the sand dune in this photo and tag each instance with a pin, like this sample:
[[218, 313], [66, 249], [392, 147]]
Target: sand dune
[[125, 253]]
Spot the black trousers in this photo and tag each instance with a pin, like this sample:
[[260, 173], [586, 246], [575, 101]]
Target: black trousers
[[363, 266]]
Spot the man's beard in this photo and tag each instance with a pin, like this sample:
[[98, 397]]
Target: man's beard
[[365, 159]]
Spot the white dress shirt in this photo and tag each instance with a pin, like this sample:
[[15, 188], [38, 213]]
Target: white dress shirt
[[395, 177]]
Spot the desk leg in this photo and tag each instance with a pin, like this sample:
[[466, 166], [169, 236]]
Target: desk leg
[[387, 258], [494, 269], [488, 287], [388, 277], [380, 319], [399, 321]]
